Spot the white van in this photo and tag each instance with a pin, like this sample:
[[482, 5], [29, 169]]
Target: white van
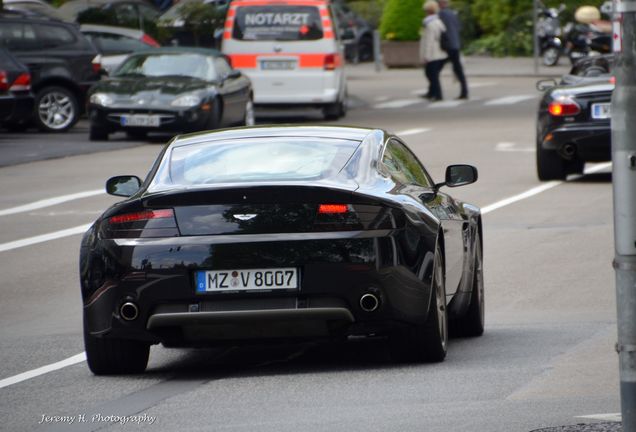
[[290, 50]]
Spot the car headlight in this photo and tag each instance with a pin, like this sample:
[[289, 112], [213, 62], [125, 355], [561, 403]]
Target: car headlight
[[186, 101], [101, 99]]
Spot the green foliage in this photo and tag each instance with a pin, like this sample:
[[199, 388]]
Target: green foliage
[[401, 20]]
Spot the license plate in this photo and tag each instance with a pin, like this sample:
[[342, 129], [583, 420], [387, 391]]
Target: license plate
[[601, 111], [141, 120], [278, 64], [244, 280]]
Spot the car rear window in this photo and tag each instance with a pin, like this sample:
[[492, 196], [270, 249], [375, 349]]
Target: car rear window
[[277, 23], [253, 160]]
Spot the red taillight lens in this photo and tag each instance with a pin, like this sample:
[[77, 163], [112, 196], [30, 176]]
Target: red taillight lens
[[22, 82], [141, 216], [333, 208], [332, 61], [563, 108], [150, 41], [4, 82], [97, 64], [613, 80]]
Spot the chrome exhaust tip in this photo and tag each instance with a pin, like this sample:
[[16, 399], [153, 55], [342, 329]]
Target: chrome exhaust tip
[[129, 311], [369, 302], [569, 150]]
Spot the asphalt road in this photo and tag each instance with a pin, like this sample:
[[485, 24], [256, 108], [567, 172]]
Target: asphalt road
[[546, 358]]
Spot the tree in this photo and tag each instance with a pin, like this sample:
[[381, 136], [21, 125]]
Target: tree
[[402, 20]]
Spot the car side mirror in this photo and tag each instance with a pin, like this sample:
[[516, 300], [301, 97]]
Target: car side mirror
[[546, 84], [234, 73], [460, 175], [124, 186]]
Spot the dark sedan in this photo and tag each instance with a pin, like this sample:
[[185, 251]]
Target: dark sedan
[[170, 90], [16, 99], [573, 127], [282, 234]]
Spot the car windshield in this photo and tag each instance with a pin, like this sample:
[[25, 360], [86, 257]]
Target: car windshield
[[253, 160], [161, 65], [284, 23]]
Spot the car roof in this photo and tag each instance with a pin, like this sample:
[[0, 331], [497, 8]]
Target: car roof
[[348, 133], [76, 6], [123, 31], [181, 50]]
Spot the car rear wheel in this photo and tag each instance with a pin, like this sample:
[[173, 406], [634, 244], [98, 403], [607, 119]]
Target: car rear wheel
[[56, 109], [550, 166], [97, 134], [427, 342], [472, 324], [115, 356]]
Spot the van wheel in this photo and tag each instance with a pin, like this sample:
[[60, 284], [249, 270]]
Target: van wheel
[[336, 110]]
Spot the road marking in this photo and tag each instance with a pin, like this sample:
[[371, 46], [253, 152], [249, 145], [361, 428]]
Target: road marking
[[481, 84], [399, 103], [78, 358], [44, 238], [409, 132], [510, 100], [447, 104], [50, 202], [512, 147], [615, 417], [537, 190], [382, 98]]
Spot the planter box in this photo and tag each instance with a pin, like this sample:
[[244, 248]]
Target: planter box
[[396, 54]]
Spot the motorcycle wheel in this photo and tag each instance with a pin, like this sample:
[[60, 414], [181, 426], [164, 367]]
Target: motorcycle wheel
[[551, 56]]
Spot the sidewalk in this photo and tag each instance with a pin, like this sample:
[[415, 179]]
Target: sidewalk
[[479, 66]]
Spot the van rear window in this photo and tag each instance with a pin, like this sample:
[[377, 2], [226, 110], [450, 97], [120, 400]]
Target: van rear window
[[277, 23]]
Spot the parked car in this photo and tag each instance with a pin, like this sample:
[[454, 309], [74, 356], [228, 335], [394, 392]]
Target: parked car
[[355, 32], [173, 24], [170, 90], [62, 62], [291, 51], [282, 233], [36, 7], [115, 43], [137, 14], [16, 99], [573, 126]]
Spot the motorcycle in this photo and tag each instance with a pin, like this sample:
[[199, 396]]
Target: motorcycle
[[549, 34], [583, 40]]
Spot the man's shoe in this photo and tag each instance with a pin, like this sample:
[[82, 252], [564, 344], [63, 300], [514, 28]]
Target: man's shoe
[[462, 97]]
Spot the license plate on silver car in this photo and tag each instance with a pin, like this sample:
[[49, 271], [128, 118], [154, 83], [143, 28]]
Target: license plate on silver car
[[246, 280], [143, 120], [601, 111]]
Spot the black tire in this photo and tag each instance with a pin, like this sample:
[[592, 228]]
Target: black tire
[[97, 134], [550, 166], [115, 356], [56, 109], [472, 323], [336, 110], [365, 49], [136, 135], [427, 342], [551, 56]]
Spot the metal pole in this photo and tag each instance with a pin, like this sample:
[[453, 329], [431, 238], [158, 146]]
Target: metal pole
[[377, 52], [535, 8], [624, 185]]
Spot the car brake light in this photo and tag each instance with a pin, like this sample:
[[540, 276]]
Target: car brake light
[[150, 41], [612, 80], [563, 107], [141, 216], [22, 82], [97, 64], [333, 208], [332, 61], [4, 83]]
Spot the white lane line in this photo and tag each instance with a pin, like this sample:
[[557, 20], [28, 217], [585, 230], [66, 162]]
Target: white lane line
[[50, 202], [510, 100], [409, 132], [537, 190], [447, 104], [481, 84], [78, 358], [512, 147], [400, 103], [44, 238], [382, 98], [614, 417]]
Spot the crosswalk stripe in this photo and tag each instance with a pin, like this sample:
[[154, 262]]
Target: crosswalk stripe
[[409, 132], [400, 103], [446, 104], [510, 100]]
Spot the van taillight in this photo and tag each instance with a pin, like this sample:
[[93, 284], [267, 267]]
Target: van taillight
[[332, 61], [22, 82]]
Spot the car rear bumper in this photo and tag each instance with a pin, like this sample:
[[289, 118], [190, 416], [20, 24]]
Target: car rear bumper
[[296, 88], [589, 142], [14, 107]]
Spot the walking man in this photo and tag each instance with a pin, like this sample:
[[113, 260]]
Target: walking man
[[452, 24]]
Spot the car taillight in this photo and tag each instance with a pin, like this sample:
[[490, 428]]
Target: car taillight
[[332, 61], [4, 81], [22, 82], [150, 41], [333, 208], [612, 80], [141, 216], [97, 64], [563, 107]]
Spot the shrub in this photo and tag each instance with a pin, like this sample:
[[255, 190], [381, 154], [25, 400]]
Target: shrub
[[401, 20]]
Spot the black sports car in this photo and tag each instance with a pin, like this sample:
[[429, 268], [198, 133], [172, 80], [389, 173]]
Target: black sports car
[[281, 233], [573, 127], [170, 90]]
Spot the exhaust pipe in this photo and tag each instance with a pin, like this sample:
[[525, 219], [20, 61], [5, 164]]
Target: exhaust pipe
[[569, 150], [129, 311], [369, 302]]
